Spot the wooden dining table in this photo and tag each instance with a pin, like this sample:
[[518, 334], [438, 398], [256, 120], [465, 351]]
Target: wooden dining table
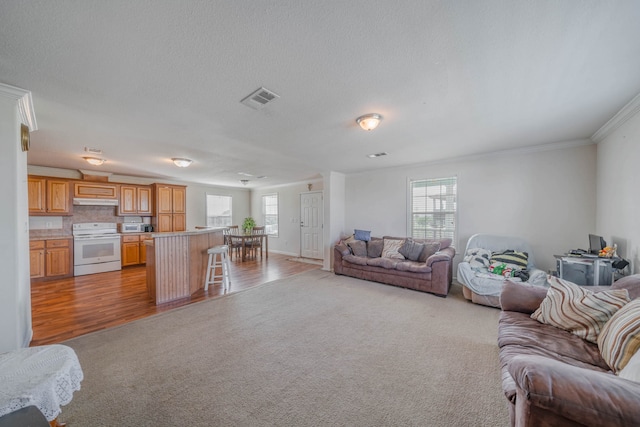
[[245, 237]]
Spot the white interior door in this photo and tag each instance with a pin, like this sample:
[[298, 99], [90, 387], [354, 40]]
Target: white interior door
[[311, 219]]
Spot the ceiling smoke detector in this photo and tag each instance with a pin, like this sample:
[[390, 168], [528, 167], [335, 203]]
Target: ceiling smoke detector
[[259, 99], [90, 150]]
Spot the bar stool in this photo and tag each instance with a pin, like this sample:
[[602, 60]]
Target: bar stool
[[218, 258]]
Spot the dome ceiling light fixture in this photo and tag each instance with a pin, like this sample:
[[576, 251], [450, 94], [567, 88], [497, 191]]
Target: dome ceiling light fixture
[[181, 162], [244, 181], [369, 121], [95, 161]]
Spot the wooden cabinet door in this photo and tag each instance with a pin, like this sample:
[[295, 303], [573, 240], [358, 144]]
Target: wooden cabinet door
[[130, 253], [179, 200], [36, 258], [165, 200], [145, 207], [165, 223], [57, 262], [37, 190], [179, 222], [96, 191], [128, 200], [58, 197]]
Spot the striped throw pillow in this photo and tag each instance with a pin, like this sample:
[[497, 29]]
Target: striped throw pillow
[[513, 259], [620, 337], [579, 310]]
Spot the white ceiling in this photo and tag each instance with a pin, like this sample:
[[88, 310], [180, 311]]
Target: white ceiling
[[147, 80]]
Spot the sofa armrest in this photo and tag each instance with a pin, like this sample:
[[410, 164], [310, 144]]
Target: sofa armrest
[[445, 254], [521, 297], [337, 259], [581, 395]]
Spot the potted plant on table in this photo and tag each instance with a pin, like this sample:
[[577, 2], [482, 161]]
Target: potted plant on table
[[248, 224]]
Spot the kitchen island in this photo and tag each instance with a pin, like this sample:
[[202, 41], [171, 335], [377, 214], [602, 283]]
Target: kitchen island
[[177, 262]]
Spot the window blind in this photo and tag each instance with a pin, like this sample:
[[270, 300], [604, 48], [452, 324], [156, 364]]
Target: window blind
[[433, 208]]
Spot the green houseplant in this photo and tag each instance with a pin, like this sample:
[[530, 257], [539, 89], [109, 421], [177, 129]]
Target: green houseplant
[[248, 224]]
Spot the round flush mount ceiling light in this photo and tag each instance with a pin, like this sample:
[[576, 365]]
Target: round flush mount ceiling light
[[369, 121], [95, 161], [181, 162]]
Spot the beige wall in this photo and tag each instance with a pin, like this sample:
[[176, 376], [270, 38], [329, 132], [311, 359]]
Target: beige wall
[[288, 239], [618, 211], [544, 196]]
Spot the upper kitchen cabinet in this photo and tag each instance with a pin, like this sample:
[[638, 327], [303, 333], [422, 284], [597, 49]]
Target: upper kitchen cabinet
[[170, 203], [94, 190], [135, 200], [48, 196]]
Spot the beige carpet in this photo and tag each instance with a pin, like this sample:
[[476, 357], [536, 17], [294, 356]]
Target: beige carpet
[[311, 350]]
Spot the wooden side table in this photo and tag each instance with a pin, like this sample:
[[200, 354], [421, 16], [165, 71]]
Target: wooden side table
[[43, 376]]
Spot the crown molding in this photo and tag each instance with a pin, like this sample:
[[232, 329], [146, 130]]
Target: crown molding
[[628, 111], [25, 104]]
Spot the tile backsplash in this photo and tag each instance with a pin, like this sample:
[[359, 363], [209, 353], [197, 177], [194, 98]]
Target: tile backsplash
[[48, 226]]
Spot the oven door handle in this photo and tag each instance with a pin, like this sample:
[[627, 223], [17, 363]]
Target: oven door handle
[[89, 238]]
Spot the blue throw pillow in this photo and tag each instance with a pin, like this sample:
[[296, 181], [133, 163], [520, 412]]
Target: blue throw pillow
[[362, 235]]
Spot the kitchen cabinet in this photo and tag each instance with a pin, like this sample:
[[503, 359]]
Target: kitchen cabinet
[[171, 207], [48, 196], [135, 200], [36, 258], [134, 251], [94, 190], [51, 259]]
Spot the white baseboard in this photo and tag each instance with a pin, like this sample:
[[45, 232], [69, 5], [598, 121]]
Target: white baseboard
[[283, 252]]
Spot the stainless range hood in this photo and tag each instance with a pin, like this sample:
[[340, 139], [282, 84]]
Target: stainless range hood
[[95, 202]]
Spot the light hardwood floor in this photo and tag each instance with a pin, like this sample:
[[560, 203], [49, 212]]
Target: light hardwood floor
[[63, 309]]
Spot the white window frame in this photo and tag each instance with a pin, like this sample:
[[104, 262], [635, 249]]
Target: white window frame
[[448, 212], [223, 223], [267, 224]]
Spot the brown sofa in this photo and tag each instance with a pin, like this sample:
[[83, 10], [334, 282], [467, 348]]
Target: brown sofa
[[552, 377], [434, 275]]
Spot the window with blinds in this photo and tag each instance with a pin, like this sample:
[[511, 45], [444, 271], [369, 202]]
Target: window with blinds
[[270, 214], [218, 210], [433, 208]]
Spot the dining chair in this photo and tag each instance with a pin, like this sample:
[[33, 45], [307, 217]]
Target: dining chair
[[254, 244], [235, 244]]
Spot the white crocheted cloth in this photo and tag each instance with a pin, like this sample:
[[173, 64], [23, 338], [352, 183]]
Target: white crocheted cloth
[[44, 376]]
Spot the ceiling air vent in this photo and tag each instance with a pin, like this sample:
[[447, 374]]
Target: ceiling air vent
[[373, 156], [259, 99]]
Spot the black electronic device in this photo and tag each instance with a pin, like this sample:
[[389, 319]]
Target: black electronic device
[[596, 244]]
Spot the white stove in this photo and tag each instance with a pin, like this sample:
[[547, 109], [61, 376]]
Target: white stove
[[96, 248]]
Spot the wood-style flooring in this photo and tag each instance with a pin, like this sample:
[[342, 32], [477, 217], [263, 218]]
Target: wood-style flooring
[[67, 308]]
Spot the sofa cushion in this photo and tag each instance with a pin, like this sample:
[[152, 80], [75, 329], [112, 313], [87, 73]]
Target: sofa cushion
[[430, 248], [413, 266], [577, 309], [353, 259], [358, 247], [620, 337], [390, 248], [389, 263], [411, 249], [362, 235], [344, 249], [374, 248], [518, 333]]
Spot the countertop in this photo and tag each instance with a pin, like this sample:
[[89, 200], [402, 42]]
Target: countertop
[[51, 237], [188, 232]]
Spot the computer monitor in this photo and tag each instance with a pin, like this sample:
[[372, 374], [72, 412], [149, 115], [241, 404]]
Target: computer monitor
[[596, 244]]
